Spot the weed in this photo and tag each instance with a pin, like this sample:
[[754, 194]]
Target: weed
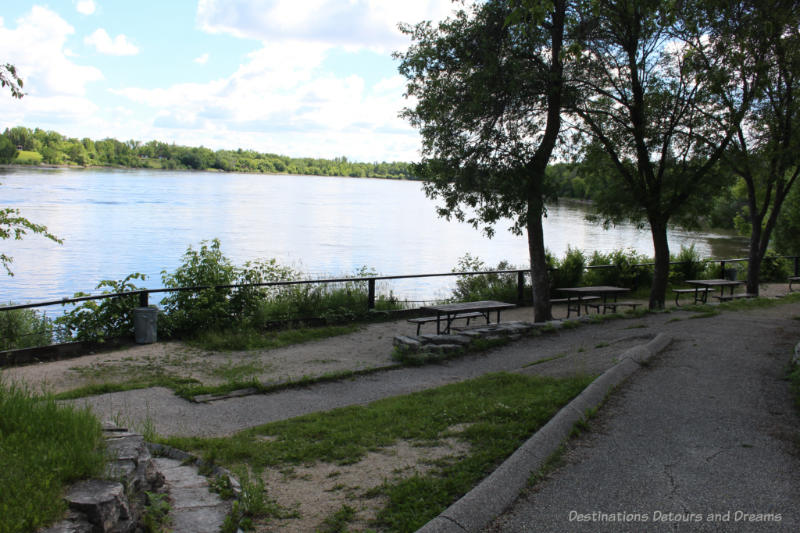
[[601, 345], [337, 522], [155, 518]]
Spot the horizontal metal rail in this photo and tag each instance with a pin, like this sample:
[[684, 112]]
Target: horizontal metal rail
[[143, 294]]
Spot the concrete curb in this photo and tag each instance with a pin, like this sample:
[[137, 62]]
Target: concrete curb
[[476, 509]]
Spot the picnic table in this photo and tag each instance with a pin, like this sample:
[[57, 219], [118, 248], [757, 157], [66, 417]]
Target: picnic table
[[703, 286], [583, 294], [448, 312]]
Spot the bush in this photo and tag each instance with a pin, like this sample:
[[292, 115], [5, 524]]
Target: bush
[[98, 320], [251, 307], [624, 273], [24, 328], [193, 310], [502, 287], [774, 267], [569, 271], [690, 266]]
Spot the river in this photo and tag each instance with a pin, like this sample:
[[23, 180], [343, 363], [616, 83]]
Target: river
[[115, 222]]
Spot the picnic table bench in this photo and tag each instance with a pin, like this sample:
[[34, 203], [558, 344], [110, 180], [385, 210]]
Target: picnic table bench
[[700, 294], [425, 319], [711, 284], [448, 312], [577, 296], [793, 279]]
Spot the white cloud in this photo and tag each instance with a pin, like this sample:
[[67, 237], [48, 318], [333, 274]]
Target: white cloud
[[355, 23], [201, 60], [118, 46], [85, 7], [37, 48], [280, 99]]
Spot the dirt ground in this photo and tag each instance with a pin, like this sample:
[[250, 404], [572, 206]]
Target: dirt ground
[[369, 348]]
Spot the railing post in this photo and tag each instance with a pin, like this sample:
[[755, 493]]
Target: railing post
[[797, 265], [722, 269], [143, 299], [370, 294], [520, 287]]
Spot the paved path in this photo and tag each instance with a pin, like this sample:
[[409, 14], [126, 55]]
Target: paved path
[[704, 439]]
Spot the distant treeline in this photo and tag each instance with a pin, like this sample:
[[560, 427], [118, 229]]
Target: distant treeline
[[21, 145], [34, 147]]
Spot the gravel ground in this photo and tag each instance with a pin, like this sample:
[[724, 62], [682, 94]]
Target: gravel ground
[[590, 348]]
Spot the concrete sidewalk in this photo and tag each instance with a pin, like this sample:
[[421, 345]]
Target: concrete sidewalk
[[705, 438]]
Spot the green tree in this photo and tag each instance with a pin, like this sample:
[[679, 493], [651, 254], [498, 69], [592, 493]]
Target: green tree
[[765, 152], [658, 132], [489, 86], [8, 151]]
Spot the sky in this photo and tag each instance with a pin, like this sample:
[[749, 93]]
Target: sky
[[303, 78]]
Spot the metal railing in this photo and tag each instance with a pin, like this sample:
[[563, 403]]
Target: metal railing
[[143, 294]]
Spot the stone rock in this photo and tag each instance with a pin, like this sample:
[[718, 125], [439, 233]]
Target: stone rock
[[408, 343], [445, 339], [104, 503]]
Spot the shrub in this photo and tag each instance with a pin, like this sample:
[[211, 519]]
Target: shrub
[[502, 287], [774, 267], [98, 320], [690, 266], [24, 328], [624, 273], [192, 310], [569, 271]]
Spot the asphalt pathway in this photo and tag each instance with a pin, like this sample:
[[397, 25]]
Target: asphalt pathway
[[705, 438]]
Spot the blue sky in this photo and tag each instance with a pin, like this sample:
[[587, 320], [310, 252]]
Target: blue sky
[[296, 77]]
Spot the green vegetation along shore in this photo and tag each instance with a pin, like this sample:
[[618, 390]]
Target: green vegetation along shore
[[23, 146]]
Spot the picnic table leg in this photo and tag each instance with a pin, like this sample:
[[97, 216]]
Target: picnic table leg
[[438, 318]]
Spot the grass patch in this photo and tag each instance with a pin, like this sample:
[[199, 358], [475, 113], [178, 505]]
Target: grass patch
[[173, 383], [500, 411], [707, 313], [28, 157], [337, 522], [545, 360], [250, 339], [43, 448]]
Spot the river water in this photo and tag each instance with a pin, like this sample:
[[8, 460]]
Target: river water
[[115, 222]]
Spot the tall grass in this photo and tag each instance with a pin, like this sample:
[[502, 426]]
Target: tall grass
[[43, 447], [23, 328]]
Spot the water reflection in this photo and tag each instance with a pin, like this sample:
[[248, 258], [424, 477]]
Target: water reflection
[[115, 222]]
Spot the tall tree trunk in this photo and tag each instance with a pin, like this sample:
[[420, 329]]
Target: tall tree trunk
[[539, 276], [540, 280], [658, 290], [754, 256]]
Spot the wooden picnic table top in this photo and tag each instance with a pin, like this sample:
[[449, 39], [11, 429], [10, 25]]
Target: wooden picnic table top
[[462, 307], [714, 282], [598, 289]]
